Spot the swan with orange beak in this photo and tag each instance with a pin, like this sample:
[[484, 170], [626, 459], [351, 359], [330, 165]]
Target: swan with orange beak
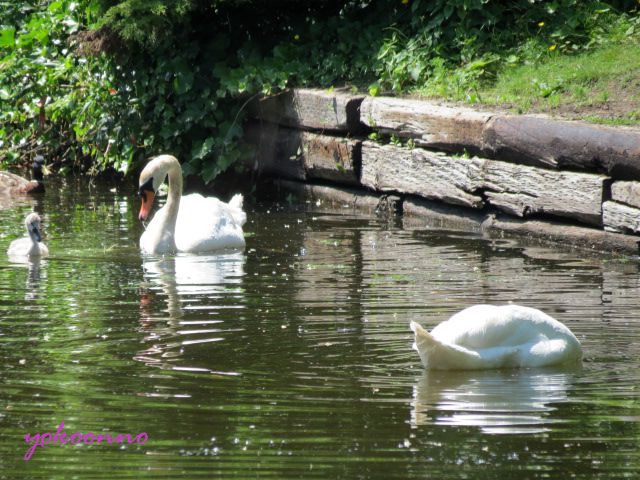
[[190, 223]]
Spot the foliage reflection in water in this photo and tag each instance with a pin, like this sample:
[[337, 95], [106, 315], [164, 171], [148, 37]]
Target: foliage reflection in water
[[293, 358]]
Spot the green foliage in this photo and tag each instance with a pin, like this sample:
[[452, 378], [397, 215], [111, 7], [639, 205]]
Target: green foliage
[[47, 93], [173, 75], [107, 112]]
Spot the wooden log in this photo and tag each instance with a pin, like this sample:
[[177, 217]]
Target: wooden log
[[328, 158], [626, 192], [517, 189], [620, 218], [557, 232], [345, 197], [303, 155], [453, 129], [541, 141], [311, 109], [275, 153], [421, 213], [523, 191], [420, 172]]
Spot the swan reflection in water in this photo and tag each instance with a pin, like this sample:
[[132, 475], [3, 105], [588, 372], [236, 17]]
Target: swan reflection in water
[[496, 401], [33, 264], [186, 282]]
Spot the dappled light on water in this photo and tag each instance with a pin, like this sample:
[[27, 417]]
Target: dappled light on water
[[293, 357]]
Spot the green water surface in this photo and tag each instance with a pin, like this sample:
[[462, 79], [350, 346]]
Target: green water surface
[[293, 358]]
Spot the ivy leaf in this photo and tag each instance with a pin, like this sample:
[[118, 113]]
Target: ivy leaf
[[226, 160], [55, 6], [7, 37], [203, 149], [183, 81], [188, 169], [209, 172]]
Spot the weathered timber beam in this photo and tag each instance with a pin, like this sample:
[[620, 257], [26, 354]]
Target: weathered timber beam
[[420, 172], [563, 144], [311, 109], [523, 139], [452, 129], [304, 155], [581, 237], [421, 213], [524, 191], [345, 197], [517, 189], [626, 192], [620, 218]]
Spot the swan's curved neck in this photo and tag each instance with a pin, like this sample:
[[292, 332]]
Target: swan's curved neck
[[175, 191], [32, 236]]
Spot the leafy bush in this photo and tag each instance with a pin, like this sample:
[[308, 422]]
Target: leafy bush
[[35, 70], [173, 75]]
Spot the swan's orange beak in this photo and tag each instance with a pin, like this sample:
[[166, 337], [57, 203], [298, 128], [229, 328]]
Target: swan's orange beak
[[147, 202]]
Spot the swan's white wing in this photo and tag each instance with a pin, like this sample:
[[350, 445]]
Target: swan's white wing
[[206, 223], [19, 247], [487, 326], [24, 247]]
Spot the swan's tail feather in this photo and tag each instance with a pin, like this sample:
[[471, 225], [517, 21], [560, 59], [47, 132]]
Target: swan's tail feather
[[422, 336], [236, 201], [235, 208], [439, 355]]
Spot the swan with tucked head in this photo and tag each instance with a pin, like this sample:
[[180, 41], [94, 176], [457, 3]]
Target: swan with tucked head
[[190, 223], [489, 336], [30, 246]]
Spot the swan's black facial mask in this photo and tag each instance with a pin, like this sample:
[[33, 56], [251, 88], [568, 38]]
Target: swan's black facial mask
[[147, 193], [146, 187]]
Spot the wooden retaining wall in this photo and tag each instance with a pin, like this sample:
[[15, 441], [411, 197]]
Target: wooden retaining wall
[[570, 182]]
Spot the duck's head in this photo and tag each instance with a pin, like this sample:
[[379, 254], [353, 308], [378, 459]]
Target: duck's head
[[32, 223], [37, 166]]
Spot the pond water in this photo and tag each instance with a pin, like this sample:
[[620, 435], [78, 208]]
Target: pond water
[[293, 358]]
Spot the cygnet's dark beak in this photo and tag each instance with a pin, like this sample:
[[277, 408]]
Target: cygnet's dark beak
[[36, 233]]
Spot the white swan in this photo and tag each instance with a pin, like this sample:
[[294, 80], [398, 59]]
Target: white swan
[[30, 246], [192, 223], [489, 336]]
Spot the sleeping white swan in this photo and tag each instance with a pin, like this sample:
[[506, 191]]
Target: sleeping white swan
[[30, 246], [489, 336], [190, 223]]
